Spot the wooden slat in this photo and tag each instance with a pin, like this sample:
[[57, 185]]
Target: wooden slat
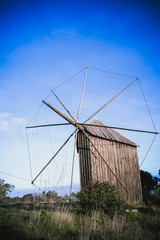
[[107, 133], [121, 158]]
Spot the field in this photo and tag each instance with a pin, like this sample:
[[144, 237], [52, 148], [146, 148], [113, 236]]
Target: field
[[46, 222]]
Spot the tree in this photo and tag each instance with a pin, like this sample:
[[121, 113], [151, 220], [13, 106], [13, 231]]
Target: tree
[[52, 195], [100, 196], [5, 189], [157, 192], [27, 197], [149, 186], [157, 196], [16, 199]]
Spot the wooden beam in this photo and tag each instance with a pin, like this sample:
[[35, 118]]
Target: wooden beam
[[49, 125], [63, 105], [94, 125], [105, 162], [53, 157], [111, 100], [125, 129], [63, 116], [75, 140]]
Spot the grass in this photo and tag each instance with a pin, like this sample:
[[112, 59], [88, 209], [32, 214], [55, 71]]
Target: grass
[[60, 223], [127, 227]]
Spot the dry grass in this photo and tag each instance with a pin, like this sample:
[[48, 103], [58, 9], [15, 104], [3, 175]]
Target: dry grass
[[62, 224], [52, 225], [119, 227]]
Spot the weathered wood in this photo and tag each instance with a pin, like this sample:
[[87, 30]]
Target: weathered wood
[[111, 100], [119, 128], [106, 133], [63, 105], [53, 157], [63, 115], [122, 159]]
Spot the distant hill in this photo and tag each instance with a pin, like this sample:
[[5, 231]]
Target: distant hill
[[61, 190]]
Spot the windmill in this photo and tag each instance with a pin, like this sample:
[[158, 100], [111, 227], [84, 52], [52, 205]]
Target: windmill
[[104, 154]]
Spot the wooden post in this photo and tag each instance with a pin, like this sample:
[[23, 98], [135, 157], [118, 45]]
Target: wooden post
[[64, 116], [74, 151]]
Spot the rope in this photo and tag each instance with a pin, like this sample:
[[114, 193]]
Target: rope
[[75, 140], [82, 115], [111, 100], [63, 105], [80, 104], [40, 181], [49, 133], [125, 129], [61, 84], [70, 78], [24, 179], [29, 155], [105, 162], [35, 114], [53, 157], [67, 80], [115, 73], [37, 187], [151, 120], [49, 125], [148, 150], [147, 105], [11, 175]]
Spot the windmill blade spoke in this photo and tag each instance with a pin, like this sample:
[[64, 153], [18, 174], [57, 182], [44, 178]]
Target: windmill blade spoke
[[74, 153], [63, 115], [79, 109], [106, 162], [111, 100], [125, 129], [53, 157], [49, 125], [94, 125], [63, 105], [80, 104]]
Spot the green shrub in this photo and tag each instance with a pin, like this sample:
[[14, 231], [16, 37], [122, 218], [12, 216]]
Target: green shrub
[[150, 188], [101, 197], [157, 196]]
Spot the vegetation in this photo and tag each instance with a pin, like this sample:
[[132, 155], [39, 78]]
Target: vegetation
[[63, 224], [101, 197], [5, 189], [150, 188], [99, 212]]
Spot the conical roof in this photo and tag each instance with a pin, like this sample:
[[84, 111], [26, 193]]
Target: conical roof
[[107, 133]]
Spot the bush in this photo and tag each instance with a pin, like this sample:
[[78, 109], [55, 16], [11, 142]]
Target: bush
[[157, 196], [5, 189], [101, 197]]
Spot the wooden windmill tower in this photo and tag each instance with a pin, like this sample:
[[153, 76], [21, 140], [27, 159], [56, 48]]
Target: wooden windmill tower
[[115, 161], [104, 154]]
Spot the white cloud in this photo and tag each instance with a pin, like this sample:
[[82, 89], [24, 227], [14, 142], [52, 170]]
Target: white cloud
[[4, 126], [10, 124], [18, 121], [4, 115]]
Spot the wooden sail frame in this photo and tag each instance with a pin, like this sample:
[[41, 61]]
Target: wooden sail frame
[[88, 124], [80, 126]]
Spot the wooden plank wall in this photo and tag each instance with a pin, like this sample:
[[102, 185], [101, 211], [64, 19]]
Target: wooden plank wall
[[83, 148], [121, 158]]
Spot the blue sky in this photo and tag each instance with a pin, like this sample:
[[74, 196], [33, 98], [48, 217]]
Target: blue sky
[[42, 44]]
